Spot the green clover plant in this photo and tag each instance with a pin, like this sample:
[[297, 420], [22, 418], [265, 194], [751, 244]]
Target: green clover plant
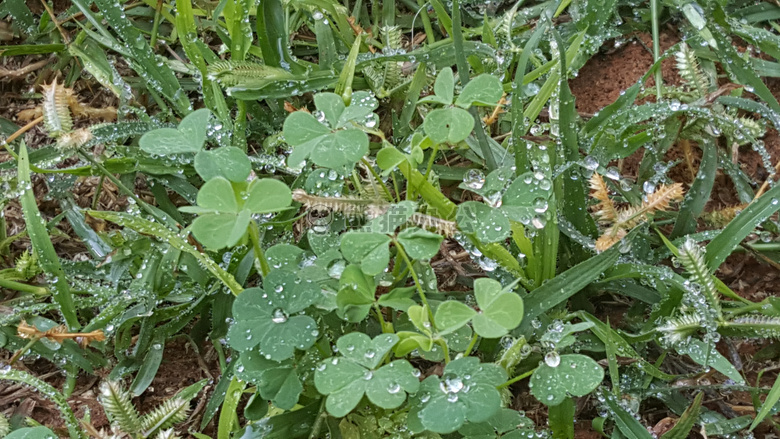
[[500, 310], [271, 318], [562, 375], [347, 378], [466, 391]]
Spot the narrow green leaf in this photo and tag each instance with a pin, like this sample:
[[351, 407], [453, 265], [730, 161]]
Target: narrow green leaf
[[687, 420], [699, 193]]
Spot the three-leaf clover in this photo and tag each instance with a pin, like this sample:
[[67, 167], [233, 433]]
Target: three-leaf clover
[[453, 124], [525, 200], [277, 382], [465, 392], [332, 140], [267, 317], [347, 378], [228, 162], [226, 208], [560, 376], [500, 310]]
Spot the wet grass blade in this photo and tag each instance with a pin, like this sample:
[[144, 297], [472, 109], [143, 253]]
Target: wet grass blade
[[39, 237], [740, 227], [561, 419], [30, 49], [687, 420], [699, 193], [228, 417], [155, 229], [624, 420], [768, 405], [560, 288]]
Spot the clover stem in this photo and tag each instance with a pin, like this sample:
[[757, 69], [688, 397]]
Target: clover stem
[[443, 343], [315, 429], [387, 327], [431, 160], [416, 281], [517, 378], [471, 345], [254, 235]]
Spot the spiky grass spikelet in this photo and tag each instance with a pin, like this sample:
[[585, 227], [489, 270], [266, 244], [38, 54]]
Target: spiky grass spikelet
[[231, 73], [627, 218], [5, 427], [752, 326], [74, 139], [605, 210], [676, 329], [119, 408], [168, 414], [56, 114], [722, 217], [690, 71], [167, 434], [692, 258]]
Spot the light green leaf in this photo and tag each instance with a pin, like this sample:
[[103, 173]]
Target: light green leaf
[[356, 294], [32, 433], [370, 250], [448, 125], [228, 162], [526, 197], [443, 88], [483, 90], [219, 230], [574, 374], [189, 137], [500, 311], [398, 298], [488, 224], [277, 382], [301, 127], [267, 195], [364, 351], [217, 195], [419, 243], [452, 315], [331, 105]]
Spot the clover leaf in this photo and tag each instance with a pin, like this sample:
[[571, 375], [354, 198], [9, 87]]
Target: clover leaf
[[226, 210], [347, 378], [560, 376], [448, 125], [483, 90], [188, 137], [368, 249], [465, 392], [228, 162], [499, 312], [419, 243], [277, 382], [356, 294], [487, 223], [506, 424], [526, 197], [443, 88], [330, 146], [267, 317]]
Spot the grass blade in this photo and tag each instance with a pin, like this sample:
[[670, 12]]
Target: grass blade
[[624, 420], [769, 403], [740, 227], [687, 420], [699, 193], [39, 237]]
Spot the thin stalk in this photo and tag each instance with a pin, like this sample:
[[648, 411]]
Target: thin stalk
[[386, 328], [473, 343], [431, 160], [156, 25], [24, 288], [517, 378], [463, 73], [321, 416], [18, 133], [416, 281], [239, 129], [18, 354], [443, 343], [254, 236], [98, 189], [423, 11], [656, 46]]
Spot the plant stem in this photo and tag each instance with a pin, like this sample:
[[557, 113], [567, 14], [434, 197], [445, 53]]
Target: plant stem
[[387, 328], [517, 378], [656, 46], [443, 343], [423, 11], [18, 286], [254, 236], [98, 189], [416, 281], [315, 429], [156, 24], [471, 345]]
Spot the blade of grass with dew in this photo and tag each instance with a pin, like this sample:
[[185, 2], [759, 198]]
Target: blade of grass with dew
[[31, 49], [228, 416], [699, 193], [149, 366], [561, 287], [625, 421], [142, 59], [741, 226], [771, 399], [402, 126], [561, 419], [687, 420], [463, 73], [326, 45], [519, 124], [141, 225], [574, 196], [441, 14], [344, 84], [45, 389], [39, 237]]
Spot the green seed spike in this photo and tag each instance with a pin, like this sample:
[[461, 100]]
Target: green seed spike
[[119, 408], [692, 258]]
